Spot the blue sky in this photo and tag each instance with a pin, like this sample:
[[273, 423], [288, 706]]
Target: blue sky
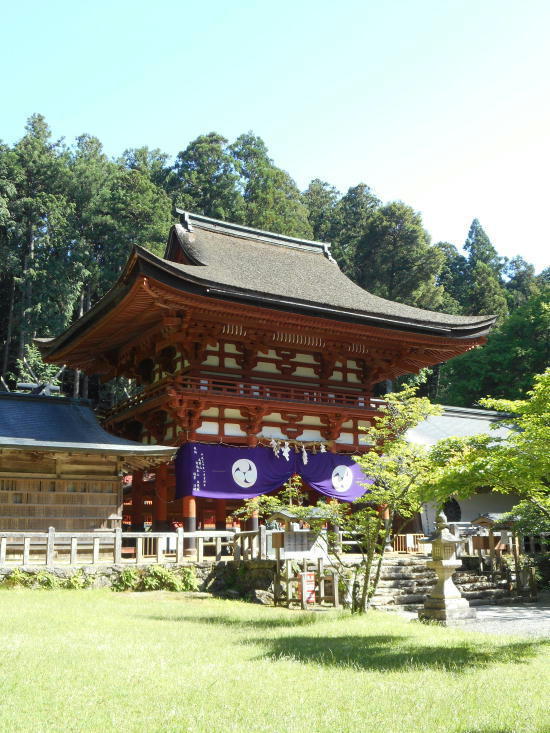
[[443, 104]]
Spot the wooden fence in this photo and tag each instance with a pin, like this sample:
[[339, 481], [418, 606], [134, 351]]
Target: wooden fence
[[120, 548]]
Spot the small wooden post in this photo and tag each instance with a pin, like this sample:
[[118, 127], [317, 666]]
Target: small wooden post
[[303, 587], [74, 550], [95, 551], [515, 551], [179, 546], [336, 590], [161, 541], [321, 573], [50, 546], [492, 549], [139, 550], [3, 542], [262, 555], [277, 583], [236, 549], [287, 581], [118, 546], [26, 550], [200, 549], [218, 545]]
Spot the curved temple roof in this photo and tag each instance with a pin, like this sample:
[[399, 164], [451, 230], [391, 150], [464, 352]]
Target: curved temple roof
[[30, 422], [234, 263], [242, 263]]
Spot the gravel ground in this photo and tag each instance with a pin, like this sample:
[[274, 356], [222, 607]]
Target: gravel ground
[[522, 619]]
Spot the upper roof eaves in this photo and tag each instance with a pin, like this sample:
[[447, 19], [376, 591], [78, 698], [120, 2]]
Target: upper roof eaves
[[234, 261]]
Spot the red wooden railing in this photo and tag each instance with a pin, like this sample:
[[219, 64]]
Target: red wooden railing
[[281, 393], [206, 386]]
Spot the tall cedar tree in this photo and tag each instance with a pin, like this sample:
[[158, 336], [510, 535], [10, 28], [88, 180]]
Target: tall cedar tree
[[504, 368], [45, 275], [204, 180], [452, 278], [485, 293], [395, 260], [272, 199], [321, 200], [352, 215]]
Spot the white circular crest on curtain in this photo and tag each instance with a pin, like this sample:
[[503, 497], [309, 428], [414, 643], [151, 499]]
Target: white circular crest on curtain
[[342, 478], [244, 473]]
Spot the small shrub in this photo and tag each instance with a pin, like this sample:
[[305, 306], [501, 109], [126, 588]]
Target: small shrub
[[18, 579], [46, 580], [127, 579], [157, 577], [188, 578], [78, 581]]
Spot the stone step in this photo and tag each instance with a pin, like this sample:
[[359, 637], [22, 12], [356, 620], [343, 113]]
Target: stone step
[[489, 594], [390, 573], [399, 600], [479, 586], [424, 583], [399, 590], [410, 561], [397, 583], [492, 601]]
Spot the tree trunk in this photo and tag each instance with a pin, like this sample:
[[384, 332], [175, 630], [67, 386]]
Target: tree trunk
[[9, 328], [76, 385], [366, 593], [26, 297], [387, 530]]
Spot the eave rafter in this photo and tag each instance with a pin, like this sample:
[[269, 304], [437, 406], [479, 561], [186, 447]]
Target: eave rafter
[[152, 315]]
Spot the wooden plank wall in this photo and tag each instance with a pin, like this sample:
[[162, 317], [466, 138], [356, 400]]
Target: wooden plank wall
[[62, 490]]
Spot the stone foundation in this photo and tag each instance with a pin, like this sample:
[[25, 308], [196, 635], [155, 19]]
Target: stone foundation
[[103, 575]]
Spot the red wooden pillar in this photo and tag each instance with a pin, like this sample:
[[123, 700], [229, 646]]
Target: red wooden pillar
[[189, 523], [221, 520], [160, 521], [252, 524], [137, 501]]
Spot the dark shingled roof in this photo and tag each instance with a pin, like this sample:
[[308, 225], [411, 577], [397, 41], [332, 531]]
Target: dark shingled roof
[[58, 423], [251, 265]]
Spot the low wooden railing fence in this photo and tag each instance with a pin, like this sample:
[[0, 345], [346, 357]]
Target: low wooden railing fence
[[119, 548], [408, 543]]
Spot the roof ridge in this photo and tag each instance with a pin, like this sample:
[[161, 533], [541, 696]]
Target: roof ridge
[[188, 219]]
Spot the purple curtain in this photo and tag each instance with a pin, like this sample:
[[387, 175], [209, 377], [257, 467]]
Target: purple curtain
[[224, 472]]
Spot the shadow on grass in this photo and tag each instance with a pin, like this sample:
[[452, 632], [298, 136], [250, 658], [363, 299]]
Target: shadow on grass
[[273, 623], [385, 653]]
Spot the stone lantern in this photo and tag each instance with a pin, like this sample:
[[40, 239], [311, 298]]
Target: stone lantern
[[445, 604]]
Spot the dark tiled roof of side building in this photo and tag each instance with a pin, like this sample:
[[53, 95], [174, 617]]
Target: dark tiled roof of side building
[[60, 423]]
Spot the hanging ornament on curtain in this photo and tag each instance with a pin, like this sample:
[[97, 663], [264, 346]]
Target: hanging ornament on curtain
[[275, 447], [323, 448], [286, 450], [304, 455]]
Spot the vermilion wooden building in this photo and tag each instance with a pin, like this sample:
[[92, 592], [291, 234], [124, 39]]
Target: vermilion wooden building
[[238, 336]]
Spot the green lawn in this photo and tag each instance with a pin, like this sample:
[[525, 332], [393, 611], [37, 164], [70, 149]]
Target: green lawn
[[101, 661]]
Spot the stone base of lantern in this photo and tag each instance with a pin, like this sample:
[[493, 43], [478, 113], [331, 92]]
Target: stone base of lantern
[[447, 610]]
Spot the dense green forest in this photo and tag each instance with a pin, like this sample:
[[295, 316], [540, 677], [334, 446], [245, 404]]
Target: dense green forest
[[69, 216]]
